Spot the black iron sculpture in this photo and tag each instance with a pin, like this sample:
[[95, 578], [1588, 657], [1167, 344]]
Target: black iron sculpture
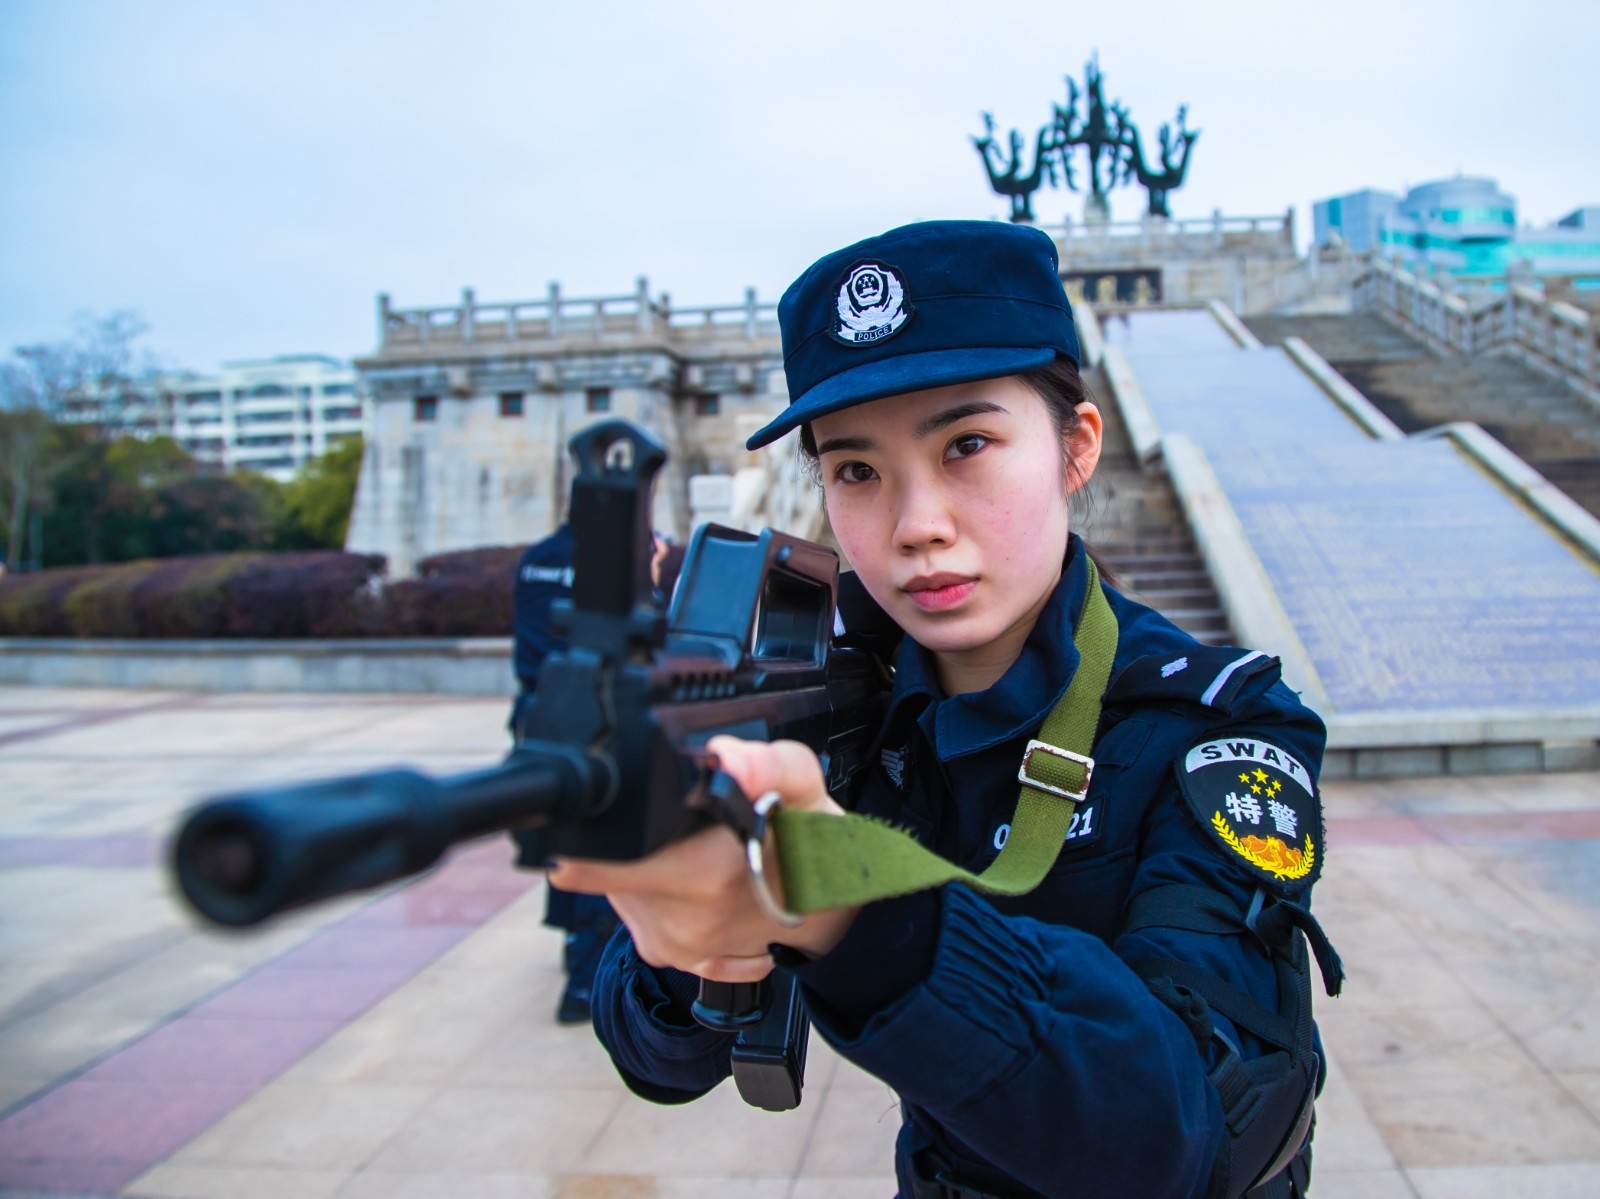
[[1006, 176], [1111, 140]]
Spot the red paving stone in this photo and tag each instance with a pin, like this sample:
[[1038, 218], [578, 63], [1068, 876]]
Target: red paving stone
[[97, 1132]]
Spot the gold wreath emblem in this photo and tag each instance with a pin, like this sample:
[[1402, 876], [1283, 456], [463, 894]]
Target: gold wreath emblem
[[1278, 859]]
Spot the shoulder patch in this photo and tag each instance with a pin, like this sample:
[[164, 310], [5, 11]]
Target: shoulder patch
[[1209, 675], [1260, 806]]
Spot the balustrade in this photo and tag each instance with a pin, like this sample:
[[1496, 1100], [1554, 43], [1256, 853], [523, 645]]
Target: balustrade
[[587, 318], [1552, 337]]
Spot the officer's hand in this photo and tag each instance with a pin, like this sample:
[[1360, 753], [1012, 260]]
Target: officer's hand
[[690, 906]]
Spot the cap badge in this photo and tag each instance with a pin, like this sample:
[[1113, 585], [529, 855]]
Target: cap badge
[[872, 305]]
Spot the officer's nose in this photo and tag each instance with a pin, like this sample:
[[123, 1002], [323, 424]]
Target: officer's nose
[[924, 520]]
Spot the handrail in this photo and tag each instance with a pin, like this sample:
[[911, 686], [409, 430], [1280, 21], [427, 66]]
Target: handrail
[[1549, 336]]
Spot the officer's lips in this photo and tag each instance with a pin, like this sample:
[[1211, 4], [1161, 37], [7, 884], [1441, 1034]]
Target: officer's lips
[[939, 592]]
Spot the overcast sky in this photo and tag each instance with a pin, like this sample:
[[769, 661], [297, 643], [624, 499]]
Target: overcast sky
[[248, 176]]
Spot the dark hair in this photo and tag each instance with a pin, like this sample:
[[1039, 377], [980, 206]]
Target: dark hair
[[1059, 384]]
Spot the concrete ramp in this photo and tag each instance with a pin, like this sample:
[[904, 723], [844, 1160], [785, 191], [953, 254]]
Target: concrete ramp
[[1438, 610]]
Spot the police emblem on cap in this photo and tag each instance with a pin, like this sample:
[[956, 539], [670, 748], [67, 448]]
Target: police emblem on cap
[[872, 305], [1260, 805]]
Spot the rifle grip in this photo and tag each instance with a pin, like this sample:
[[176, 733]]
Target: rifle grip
[[729, 1007]]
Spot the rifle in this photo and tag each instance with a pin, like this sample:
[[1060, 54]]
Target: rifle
[[609, 757]]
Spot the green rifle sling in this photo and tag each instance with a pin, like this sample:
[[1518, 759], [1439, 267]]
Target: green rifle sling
[[828, 861]]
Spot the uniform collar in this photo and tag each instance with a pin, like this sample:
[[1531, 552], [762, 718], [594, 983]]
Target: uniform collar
[[1023, 696]]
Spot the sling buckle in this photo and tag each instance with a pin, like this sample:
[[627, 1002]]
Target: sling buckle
[[1065, 755]]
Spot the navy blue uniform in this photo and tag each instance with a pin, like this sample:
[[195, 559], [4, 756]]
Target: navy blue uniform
[[1048, 1044]]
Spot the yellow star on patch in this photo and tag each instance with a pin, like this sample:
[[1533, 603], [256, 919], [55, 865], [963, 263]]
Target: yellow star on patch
[[1255, 788], [1244, 778], [1261, 775], [1275, 787]]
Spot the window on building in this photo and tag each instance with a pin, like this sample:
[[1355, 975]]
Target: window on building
[[707, 405], [598, 399], [426, 408], [510, 403], [338, 389]]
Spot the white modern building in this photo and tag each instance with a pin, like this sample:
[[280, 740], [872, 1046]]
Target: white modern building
[[271, 415]]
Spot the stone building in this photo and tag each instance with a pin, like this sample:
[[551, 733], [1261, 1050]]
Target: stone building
[[472, 403]]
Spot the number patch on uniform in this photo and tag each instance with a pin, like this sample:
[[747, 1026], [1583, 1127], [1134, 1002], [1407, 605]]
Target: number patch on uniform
[[1082, 831], [1260, 805]]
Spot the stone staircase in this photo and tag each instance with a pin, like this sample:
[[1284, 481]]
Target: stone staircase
[[1554, 431], [1136, 526]]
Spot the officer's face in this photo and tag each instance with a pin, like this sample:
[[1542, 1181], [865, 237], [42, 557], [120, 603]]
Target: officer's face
[[952, 506]]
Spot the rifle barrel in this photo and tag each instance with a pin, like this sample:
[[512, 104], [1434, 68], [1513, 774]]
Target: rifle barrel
[[243, 857]]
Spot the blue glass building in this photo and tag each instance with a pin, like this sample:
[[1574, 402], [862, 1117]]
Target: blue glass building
[[1464, 226]]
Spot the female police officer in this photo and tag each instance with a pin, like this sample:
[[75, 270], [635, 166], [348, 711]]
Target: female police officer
[[1137, 1025]]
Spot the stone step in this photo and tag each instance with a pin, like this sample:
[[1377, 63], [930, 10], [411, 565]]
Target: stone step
[[1137, 527]]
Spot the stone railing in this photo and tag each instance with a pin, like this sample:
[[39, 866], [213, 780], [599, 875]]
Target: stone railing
[[1184, 235], [1554, 338], [559, 317]]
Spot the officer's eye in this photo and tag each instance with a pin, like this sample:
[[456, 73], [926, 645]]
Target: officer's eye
[[855, 472], [966, 445]]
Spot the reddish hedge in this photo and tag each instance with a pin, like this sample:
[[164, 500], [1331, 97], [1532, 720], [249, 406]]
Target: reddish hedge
[[313, 594], [466, 593]]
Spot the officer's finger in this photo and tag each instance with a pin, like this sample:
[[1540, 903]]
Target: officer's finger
[[734, 969], [787, 767], [700, 867]]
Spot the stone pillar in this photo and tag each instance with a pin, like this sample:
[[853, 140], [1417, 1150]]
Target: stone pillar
[[555, 309], [383, 319], [643, 292], [751, 326], [468, 319]]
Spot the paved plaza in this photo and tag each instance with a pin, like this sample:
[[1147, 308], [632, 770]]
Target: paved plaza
[[402, 1045]]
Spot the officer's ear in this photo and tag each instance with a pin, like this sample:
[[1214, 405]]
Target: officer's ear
[[1081, 445]]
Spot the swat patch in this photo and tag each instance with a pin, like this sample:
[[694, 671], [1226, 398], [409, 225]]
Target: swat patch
[[1260, 803], [871, 305]]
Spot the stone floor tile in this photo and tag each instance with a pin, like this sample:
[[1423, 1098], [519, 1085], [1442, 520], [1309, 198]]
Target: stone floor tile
[[89, 1122], [1347, 1138], [172, 1181], [535, 1052], [470, 1131], [215, 1050], [316, 993], [1585, 1085], [413, 1050], [717, 1136], [1360, 1184], [846, 1188], [1450, 1087], [854, 1135], [593, 1187], [1555, 1180], [46, 1046], [13, 1091], [307, 1126], [499, 996], [378, 1184]]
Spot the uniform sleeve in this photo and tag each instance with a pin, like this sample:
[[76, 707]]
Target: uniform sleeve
[[641, 1016], [1039, 1050]]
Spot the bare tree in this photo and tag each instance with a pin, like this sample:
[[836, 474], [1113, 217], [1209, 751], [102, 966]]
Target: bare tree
[[97, 380]]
